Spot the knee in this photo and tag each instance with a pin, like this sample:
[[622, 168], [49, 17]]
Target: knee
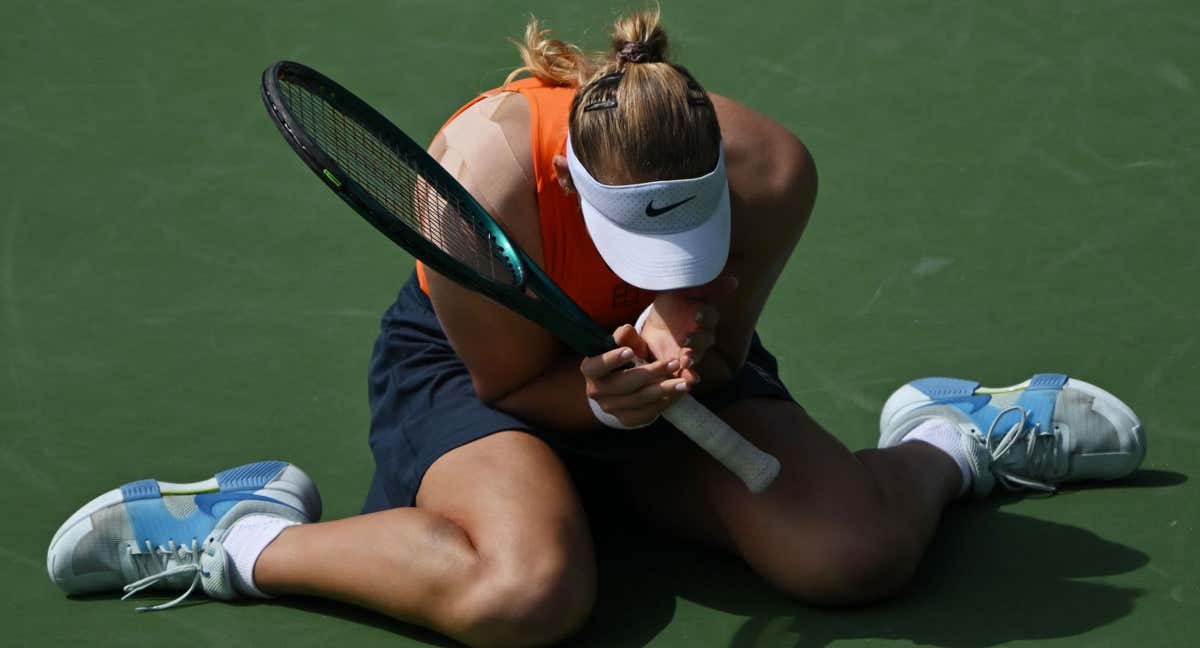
[[531, 603]]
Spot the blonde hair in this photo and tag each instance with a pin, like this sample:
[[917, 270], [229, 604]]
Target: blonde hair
[[636, 116]]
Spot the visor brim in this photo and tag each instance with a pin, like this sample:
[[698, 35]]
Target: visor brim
[[663, 261]]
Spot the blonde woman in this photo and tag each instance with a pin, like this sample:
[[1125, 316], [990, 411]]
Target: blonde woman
[[651, 202]]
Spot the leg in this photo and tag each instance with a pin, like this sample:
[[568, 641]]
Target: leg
[[835, 527], [497, 551]]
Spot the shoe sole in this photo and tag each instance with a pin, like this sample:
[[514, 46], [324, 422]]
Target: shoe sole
[[907, 399], [278, 479]]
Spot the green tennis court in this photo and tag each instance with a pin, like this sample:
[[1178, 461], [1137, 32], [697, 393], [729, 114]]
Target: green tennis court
[[1006, 188]]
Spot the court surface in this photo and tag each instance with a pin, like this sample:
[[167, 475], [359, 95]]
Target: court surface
[[1005, 188]]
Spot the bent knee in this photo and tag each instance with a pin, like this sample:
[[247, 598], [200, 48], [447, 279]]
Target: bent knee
[[531, 604]]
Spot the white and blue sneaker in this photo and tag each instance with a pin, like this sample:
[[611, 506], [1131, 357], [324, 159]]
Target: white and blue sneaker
[[1047, 430], [152, 534]]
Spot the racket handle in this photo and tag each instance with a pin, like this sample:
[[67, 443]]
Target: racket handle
[[753, 466]]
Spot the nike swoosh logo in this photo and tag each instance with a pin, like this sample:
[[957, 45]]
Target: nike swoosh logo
[[653, 211]]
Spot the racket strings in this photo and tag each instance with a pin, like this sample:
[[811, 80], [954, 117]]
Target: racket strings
[[383, 172]]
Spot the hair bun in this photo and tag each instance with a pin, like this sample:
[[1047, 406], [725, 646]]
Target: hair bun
[[638, 38], [637, 52]]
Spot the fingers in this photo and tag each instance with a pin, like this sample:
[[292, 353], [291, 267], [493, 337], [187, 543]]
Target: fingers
[[687, 368], [638, 394], [646, 404], [627, 336], [648, 395], [595, 367], [633, 379]]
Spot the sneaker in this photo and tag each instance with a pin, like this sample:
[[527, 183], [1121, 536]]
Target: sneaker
[[152, 534], [1047, 430]]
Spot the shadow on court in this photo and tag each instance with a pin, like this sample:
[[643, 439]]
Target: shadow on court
[[359, 615], [990, 577]]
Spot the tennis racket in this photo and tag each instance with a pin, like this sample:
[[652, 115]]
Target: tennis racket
[[398, 188]]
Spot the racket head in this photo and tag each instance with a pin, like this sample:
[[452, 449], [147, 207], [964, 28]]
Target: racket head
[[389, 179], [391, 182]]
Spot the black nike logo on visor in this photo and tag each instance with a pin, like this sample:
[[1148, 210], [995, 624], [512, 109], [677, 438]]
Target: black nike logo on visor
[[653, 211]]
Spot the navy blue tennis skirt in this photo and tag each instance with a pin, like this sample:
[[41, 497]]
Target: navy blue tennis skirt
[[423, 404]]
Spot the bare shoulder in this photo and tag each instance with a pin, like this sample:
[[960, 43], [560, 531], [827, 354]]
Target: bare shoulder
[[488, 149], [771, 171]]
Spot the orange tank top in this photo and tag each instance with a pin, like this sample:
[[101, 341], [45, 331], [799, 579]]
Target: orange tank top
[[568, 255]]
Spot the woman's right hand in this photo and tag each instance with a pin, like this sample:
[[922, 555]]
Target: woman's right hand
[[634, 394]]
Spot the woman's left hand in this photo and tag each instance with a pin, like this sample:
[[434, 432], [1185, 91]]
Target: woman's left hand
[[682, 325]]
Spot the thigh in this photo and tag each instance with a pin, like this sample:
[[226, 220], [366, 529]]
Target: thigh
[[423, 402], [511, 495], [822, 497]]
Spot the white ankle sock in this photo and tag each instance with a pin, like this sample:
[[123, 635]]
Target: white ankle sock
[[245, 542], [944, 435]]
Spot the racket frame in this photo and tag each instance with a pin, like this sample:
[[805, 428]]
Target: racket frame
[[554, 311]]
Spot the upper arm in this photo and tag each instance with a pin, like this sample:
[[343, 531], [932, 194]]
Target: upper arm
[[773, 187], [487, 149]]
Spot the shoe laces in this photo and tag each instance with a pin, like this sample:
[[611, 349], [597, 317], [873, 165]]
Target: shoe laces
[[1033, 449], [155, 563]]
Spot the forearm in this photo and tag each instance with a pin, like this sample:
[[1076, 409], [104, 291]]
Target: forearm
[[715, 370], [555, 399]]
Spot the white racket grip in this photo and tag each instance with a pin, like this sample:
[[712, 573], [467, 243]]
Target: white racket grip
[[753, 466]]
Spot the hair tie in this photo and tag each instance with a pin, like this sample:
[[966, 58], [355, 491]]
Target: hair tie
[[634, 52]]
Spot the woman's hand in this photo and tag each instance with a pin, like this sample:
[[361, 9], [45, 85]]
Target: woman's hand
[[634, 394], [683, 324]]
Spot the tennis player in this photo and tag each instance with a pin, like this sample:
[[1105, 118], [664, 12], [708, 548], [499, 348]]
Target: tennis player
[[667, 213]]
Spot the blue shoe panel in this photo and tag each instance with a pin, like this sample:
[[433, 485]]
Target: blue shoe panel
[[945, 389], [983, 415], [152, 521], [139, 490], [1038, 400], [218, 504], [1048, 381], [972, 405], [1002, 426], [251, 476], [1040, 405]]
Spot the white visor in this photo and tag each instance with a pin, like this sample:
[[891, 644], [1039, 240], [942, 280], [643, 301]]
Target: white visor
[[658, 235]]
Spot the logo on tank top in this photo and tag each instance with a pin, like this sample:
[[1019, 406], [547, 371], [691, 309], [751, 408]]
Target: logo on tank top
[[653, 211], [627, 296]]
